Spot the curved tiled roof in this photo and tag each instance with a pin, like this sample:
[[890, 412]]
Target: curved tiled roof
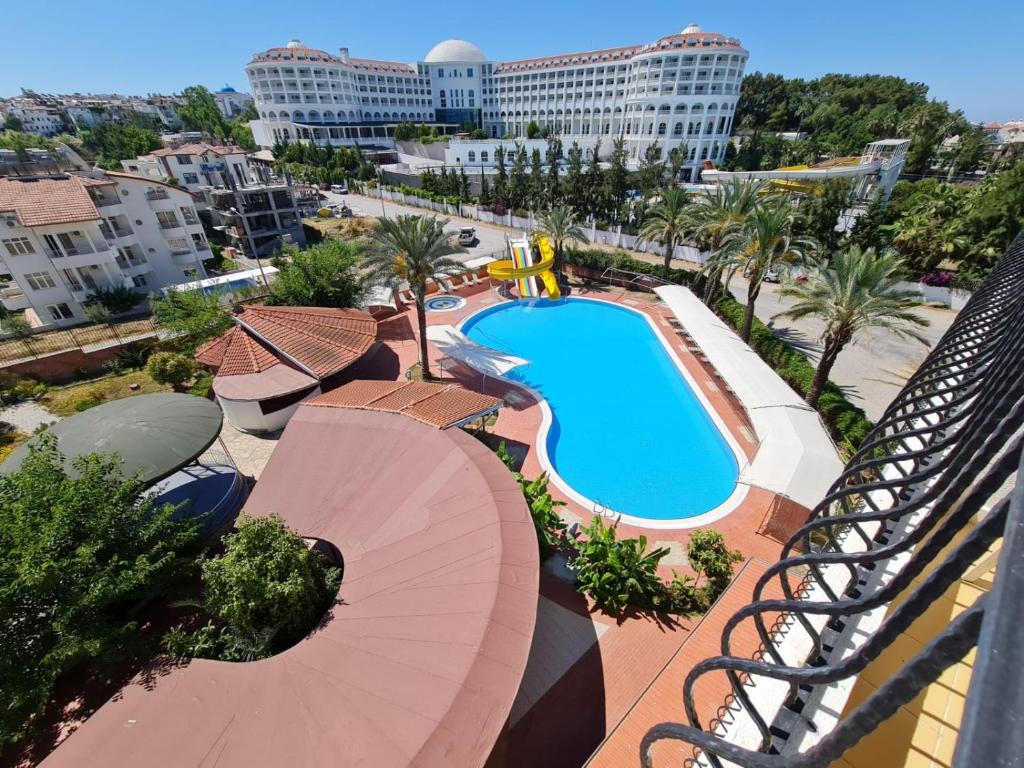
[[439, 405], [419, 662]]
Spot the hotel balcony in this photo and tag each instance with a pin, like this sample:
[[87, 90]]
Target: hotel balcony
[[157, 194], [888, 633]]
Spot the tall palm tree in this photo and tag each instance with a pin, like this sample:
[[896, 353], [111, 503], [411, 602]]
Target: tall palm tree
[[764, 243], [666, 223], [561, 226], [718, 214], [859, 291], [413, 250]]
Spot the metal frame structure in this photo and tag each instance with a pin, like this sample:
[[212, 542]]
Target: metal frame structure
[[926, 495]]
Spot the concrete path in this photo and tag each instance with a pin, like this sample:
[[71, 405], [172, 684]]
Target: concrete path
[[27, 416]]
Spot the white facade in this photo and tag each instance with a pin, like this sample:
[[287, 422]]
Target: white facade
[[230, 102], [194, 166], [131, 232], [679, 90], [42, 121]]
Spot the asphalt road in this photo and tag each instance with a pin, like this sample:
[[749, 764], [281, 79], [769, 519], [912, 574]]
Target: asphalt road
[[490, 240], [873, 368]]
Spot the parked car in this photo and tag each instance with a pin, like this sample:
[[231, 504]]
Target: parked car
[[467, 236], [339, 189], [772, 276]]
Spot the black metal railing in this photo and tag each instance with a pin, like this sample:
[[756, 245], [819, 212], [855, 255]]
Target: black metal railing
[[925, 495]]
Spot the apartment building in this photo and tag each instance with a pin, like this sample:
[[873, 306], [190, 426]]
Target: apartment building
[[678, 90], [37, 119], [194, 166], [62, 237], [259, 217]]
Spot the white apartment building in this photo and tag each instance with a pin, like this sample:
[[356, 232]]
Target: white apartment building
[[194, 166], [62, 237], [42, 121], [230, 102], [679, 89]]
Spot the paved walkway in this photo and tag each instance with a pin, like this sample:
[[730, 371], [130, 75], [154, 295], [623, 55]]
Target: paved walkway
[[27, 416], [249, 452]]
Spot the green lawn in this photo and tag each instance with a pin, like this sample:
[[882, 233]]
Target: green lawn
[[73, 398]]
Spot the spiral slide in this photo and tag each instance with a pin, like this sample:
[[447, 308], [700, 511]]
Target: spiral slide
[[522, 269]]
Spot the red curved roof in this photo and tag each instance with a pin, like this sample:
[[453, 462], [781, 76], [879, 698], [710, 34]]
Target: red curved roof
[[419, 664]]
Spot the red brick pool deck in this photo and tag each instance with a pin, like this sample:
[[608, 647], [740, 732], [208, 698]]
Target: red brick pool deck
[[630, 675]]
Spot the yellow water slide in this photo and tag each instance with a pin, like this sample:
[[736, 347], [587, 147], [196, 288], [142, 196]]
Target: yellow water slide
[[508, 269]]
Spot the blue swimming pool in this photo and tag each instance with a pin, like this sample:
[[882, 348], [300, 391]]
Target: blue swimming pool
[[229, 286], [627, 431]]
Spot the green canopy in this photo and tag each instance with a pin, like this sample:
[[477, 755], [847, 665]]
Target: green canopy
[[155, 435]]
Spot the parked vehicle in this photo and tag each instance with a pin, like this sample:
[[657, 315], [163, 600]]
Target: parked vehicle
[[772, 276], [339, 189], [467, 236]]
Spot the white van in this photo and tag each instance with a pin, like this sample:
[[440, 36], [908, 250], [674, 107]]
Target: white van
[[339, 189]]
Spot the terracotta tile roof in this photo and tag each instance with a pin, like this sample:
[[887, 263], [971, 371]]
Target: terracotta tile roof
[[322, 340], [236, 353], [54, 200], [439, 405], [197, 149]]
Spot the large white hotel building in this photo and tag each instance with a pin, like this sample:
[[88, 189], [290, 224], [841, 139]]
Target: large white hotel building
[[680, 89]]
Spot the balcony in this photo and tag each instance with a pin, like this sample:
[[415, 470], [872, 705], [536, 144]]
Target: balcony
[[157, 194], [903, 591], [106, 202]]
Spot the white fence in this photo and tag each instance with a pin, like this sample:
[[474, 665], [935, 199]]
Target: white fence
[[615, 238]]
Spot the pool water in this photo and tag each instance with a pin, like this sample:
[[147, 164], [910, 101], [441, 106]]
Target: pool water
[[228, 287], [627, 431]]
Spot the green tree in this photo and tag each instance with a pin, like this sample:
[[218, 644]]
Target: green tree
[[113, 142], [618, 176], [553, 157], [651, 173], [859, 290], [575, 189], [201, 113], [323, 275], [171, 368], [518, 186], [532, 130], [410, 250], [821, 209], [666, 222], [716, 217], [78, 550], [190, 317], [561, 226], [500, 177], [486, 198], [536, 195], [593, 182], [766, 242], [708, 555], [13, 123], [267, 591]]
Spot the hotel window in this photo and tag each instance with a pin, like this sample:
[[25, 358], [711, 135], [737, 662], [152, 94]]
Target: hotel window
[[184, 159], [167, 219], [60, 311], [469, 72], [190, 178], [39, 281], [483, 156], [472, 156], [189, 214], [19, 246], [139, 281]]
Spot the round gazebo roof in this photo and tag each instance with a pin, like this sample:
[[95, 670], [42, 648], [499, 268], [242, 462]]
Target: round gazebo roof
[[155, 435]]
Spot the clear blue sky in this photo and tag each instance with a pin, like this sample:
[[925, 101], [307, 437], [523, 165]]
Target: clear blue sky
[[967, 52]]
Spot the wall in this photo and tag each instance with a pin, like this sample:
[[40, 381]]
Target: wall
[[247, 416], [62, 366]]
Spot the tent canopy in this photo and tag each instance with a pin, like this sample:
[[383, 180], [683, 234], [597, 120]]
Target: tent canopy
[[795, 458], [155, 435], [454, 343]]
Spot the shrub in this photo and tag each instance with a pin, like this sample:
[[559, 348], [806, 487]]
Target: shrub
[[845, 421], [599, 261], [118, 299], [266, 592], [77, 553], [618, 572], [90, 400], [202, 386], [546, 520], [170, 368], [134, 355], [711, 558]]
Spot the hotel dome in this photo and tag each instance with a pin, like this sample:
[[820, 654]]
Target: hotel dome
[[455, 50]]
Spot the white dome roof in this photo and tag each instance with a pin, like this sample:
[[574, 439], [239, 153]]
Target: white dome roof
[[691, 29], [293, 43], [455, 50]]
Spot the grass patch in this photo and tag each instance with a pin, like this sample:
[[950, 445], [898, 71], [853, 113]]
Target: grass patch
[[10, 439], [75, 398]]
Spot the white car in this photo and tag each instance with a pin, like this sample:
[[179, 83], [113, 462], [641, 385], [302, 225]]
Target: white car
[[467, 236], [339, 189], [772, 276]]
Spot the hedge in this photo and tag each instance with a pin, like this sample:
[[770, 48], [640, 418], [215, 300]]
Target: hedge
[[847, 423]]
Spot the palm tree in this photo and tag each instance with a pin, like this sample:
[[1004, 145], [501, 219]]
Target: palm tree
[[561, 226], [718, 214], [666, 223], [413, 250], [859, 291], [764, 243]]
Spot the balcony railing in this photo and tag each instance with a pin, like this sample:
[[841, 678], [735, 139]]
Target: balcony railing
[[103, 202], [925, 496], [157, 194]]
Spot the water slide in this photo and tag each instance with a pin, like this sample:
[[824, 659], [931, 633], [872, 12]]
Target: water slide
[[522, 269]]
